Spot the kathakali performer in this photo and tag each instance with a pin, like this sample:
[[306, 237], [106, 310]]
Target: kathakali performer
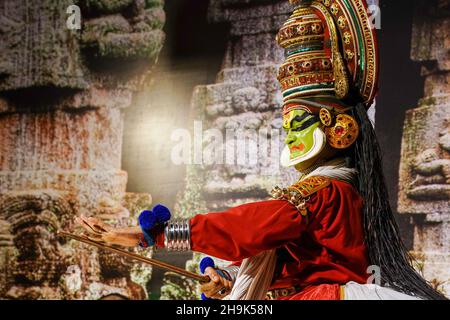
[[318, 237]]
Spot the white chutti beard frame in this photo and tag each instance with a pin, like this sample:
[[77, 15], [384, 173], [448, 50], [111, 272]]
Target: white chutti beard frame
[[319, 143]]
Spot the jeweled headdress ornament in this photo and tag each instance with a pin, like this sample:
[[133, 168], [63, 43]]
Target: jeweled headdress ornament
[[331, 51]]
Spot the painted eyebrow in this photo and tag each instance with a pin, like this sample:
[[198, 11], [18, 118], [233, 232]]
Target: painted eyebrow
[[314, 119], [300, 118]]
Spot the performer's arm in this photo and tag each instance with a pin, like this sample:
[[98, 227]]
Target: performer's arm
[[233, 235], [244, 231]]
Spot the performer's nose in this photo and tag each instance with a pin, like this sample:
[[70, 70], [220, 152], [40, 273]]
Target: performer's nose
[[289, 139]]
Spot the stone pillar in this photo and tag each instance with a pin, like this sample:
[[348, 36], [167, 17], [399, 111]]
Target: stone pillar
[[239, 118], [424, 191], [62, 93], [243, 106]]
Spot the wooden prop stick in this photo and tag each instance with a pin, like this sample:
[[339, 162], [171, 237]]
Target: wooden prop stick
[[137, 257]]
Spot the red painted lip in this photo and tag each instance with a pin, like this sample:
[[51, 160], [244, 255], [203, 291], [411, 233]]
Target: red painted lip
[[298, 148]]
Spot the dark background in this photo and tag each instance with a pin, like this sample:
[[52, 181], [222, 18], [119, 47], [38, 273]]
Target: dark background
[[401, 86]]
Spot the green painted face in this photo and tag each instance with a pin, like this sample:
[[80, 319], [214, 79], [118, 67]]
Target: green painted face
[[300, 126]]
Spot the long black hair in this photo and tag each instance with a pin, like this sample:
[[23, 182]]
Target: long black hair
[[384, 245]]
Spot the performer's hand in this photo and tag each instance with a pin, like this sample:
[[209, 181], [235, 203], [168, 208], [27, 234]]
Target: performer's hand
[[218, 287], [99, 231]]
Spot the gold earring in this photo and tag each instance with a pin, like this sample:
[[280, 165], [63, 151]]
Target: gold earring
[[344, 132], [325, 117]]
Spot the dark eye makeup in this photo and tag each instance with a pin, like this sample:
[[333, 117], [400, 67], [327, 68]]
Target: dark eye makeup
[[307, 124]]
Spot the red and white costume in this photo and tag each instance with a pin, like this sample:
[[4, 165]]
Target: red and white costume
[[317, 253]]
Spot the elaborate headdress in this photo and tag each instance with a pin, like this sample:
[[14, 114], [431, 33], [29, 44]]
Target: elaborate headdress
[[331, 52], [331, 63], [331, 71]]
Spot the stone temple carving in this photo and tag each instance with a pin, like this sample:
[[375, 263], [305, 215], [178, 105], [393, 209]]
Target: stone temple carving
[[62, 92], [432, 171], [424, 187]]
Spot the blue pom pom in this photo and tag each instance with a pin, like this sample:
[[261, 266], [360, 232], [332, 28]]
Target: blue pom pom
[[205, 298], [205, 263], [162, 213], [147, 220]]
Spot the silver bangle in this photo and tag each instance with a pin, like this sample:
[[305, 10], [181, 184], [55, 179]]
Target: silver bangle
[[177, 235]]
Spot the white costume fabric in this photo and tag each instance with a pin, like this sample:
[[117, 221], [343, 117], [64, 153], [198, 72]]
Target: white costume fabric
[[356, 291]]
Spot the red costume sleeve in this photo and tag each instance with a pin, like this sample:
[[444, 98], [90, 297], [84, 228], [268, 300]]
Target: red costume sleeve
[[330, 243], [246, 230]]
